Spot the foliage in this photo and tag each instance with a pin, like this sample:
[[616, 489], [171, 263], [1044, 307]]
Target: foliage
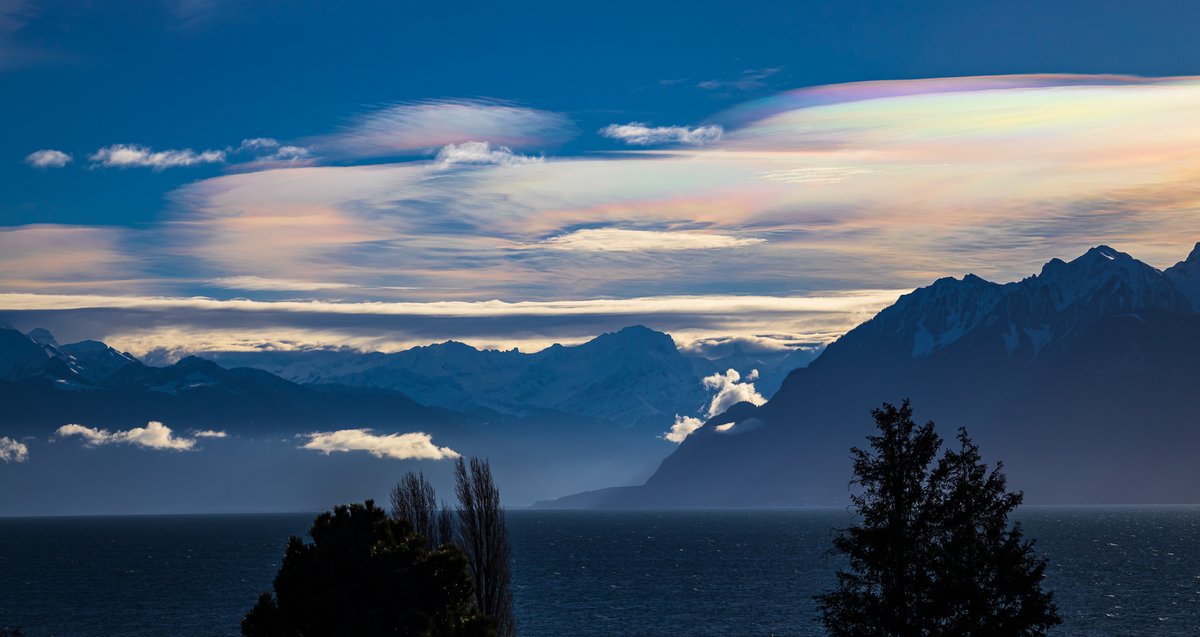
[[365, 574], [934, 554]]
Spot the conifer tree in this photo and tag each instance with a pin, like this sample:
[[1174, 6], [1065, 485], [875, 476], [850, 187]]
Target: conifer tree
[[933, 554]]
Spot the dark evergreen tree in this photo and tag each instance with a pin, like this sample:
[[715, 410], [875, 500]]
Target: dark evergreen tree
[[483, 536], [933, 554], [366, 574]]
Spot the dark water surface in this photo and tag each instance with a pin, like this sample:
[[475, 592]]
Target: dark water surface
[[1114, 571]]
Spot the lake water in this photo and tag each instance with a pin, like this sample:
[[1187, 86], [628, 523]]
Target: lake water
[[1114, 571]]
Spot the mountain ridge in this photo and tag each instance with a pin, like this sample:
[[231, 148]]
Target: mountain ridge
[[1051, 374]]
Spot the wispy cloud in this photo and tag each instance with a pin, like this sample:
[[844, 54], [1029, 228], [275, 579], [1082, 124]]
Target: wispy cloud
[[13, 450], [410, 446], [251, 282], [748, 80], [154, 435], [56, 256], [640, 134], [257, 145], [48, 158], [136, 156], [632, 306], [482, 153], [619, 240], [209, 433], [423, 127]]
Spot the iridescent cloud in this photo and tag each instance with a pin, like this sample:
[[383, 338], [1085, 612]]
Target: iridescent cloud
[[878, 185]]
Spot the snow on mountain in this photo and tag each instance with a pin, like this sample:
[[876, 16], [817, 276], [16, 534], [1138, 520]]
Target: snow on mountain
[[1080, 378], [635, 376]]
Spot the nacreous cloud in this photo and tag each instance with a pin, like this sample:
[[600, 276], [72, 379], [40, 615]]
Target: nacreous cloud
[[482, 153], [618, 240], [411, 446], [135, 156], [422, 127], [48, 158], [878, 185], [12, 450], [154, 435], [639, 134]]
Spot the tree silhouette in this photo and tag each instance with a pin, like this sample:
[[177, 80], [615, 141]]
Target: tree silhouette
[[414, 499], [483, 536], [365, 574], [933, 554]]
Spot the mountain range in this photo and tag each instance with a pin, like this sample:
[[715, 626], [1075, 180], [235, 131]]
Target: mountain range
[[563, 419], [1082, 379], [635, 377]]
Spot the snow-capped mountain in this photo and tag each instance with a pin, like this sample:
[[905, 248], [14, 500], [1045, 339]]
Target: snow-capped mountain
[[1080, 378], [634, 377]]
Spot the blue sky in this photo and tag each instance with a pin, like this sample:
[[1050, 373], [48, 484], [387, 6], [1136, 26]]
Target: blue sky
[[434, 155]]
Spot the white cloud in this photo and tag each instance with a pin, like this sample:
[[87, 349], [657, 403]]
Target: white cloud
[[250, 282], [12, 450], [618, 240], [417, 445], [423, 126], [482, 153], [749, 80], [136, 156], [290, 153], [731, 391], [257, 145], [863, 303], [640, 134], [683, 427], [154, 435], [48, 158], [209, 433]]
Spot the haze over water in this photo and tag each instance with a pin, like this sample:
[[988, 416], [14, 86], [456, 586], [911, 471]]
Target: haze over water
[[1114, 571]]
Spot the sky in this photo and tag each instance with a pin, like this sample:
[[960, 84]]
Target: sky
[[187, 176]]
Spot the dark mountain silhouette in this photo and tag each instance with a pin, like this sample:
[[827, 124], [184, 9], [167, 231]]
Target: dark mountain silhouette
[[1081, 379]]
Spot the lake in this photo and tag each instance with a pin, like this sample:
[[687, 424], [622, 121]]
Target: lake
[[1114, 571]]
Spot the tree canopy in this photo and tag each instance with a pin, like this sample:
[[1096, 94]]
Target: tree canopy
[[934, 554], [366, 574]]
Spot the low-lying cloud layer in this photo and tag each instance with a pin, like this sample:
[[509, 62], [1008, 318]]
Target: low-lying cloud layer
[[154, 435], [410, 446]]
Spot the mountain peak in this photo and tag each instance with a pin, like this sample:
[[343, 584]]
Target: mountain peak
[[636, 336], [42, 336], [1186, 276]]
